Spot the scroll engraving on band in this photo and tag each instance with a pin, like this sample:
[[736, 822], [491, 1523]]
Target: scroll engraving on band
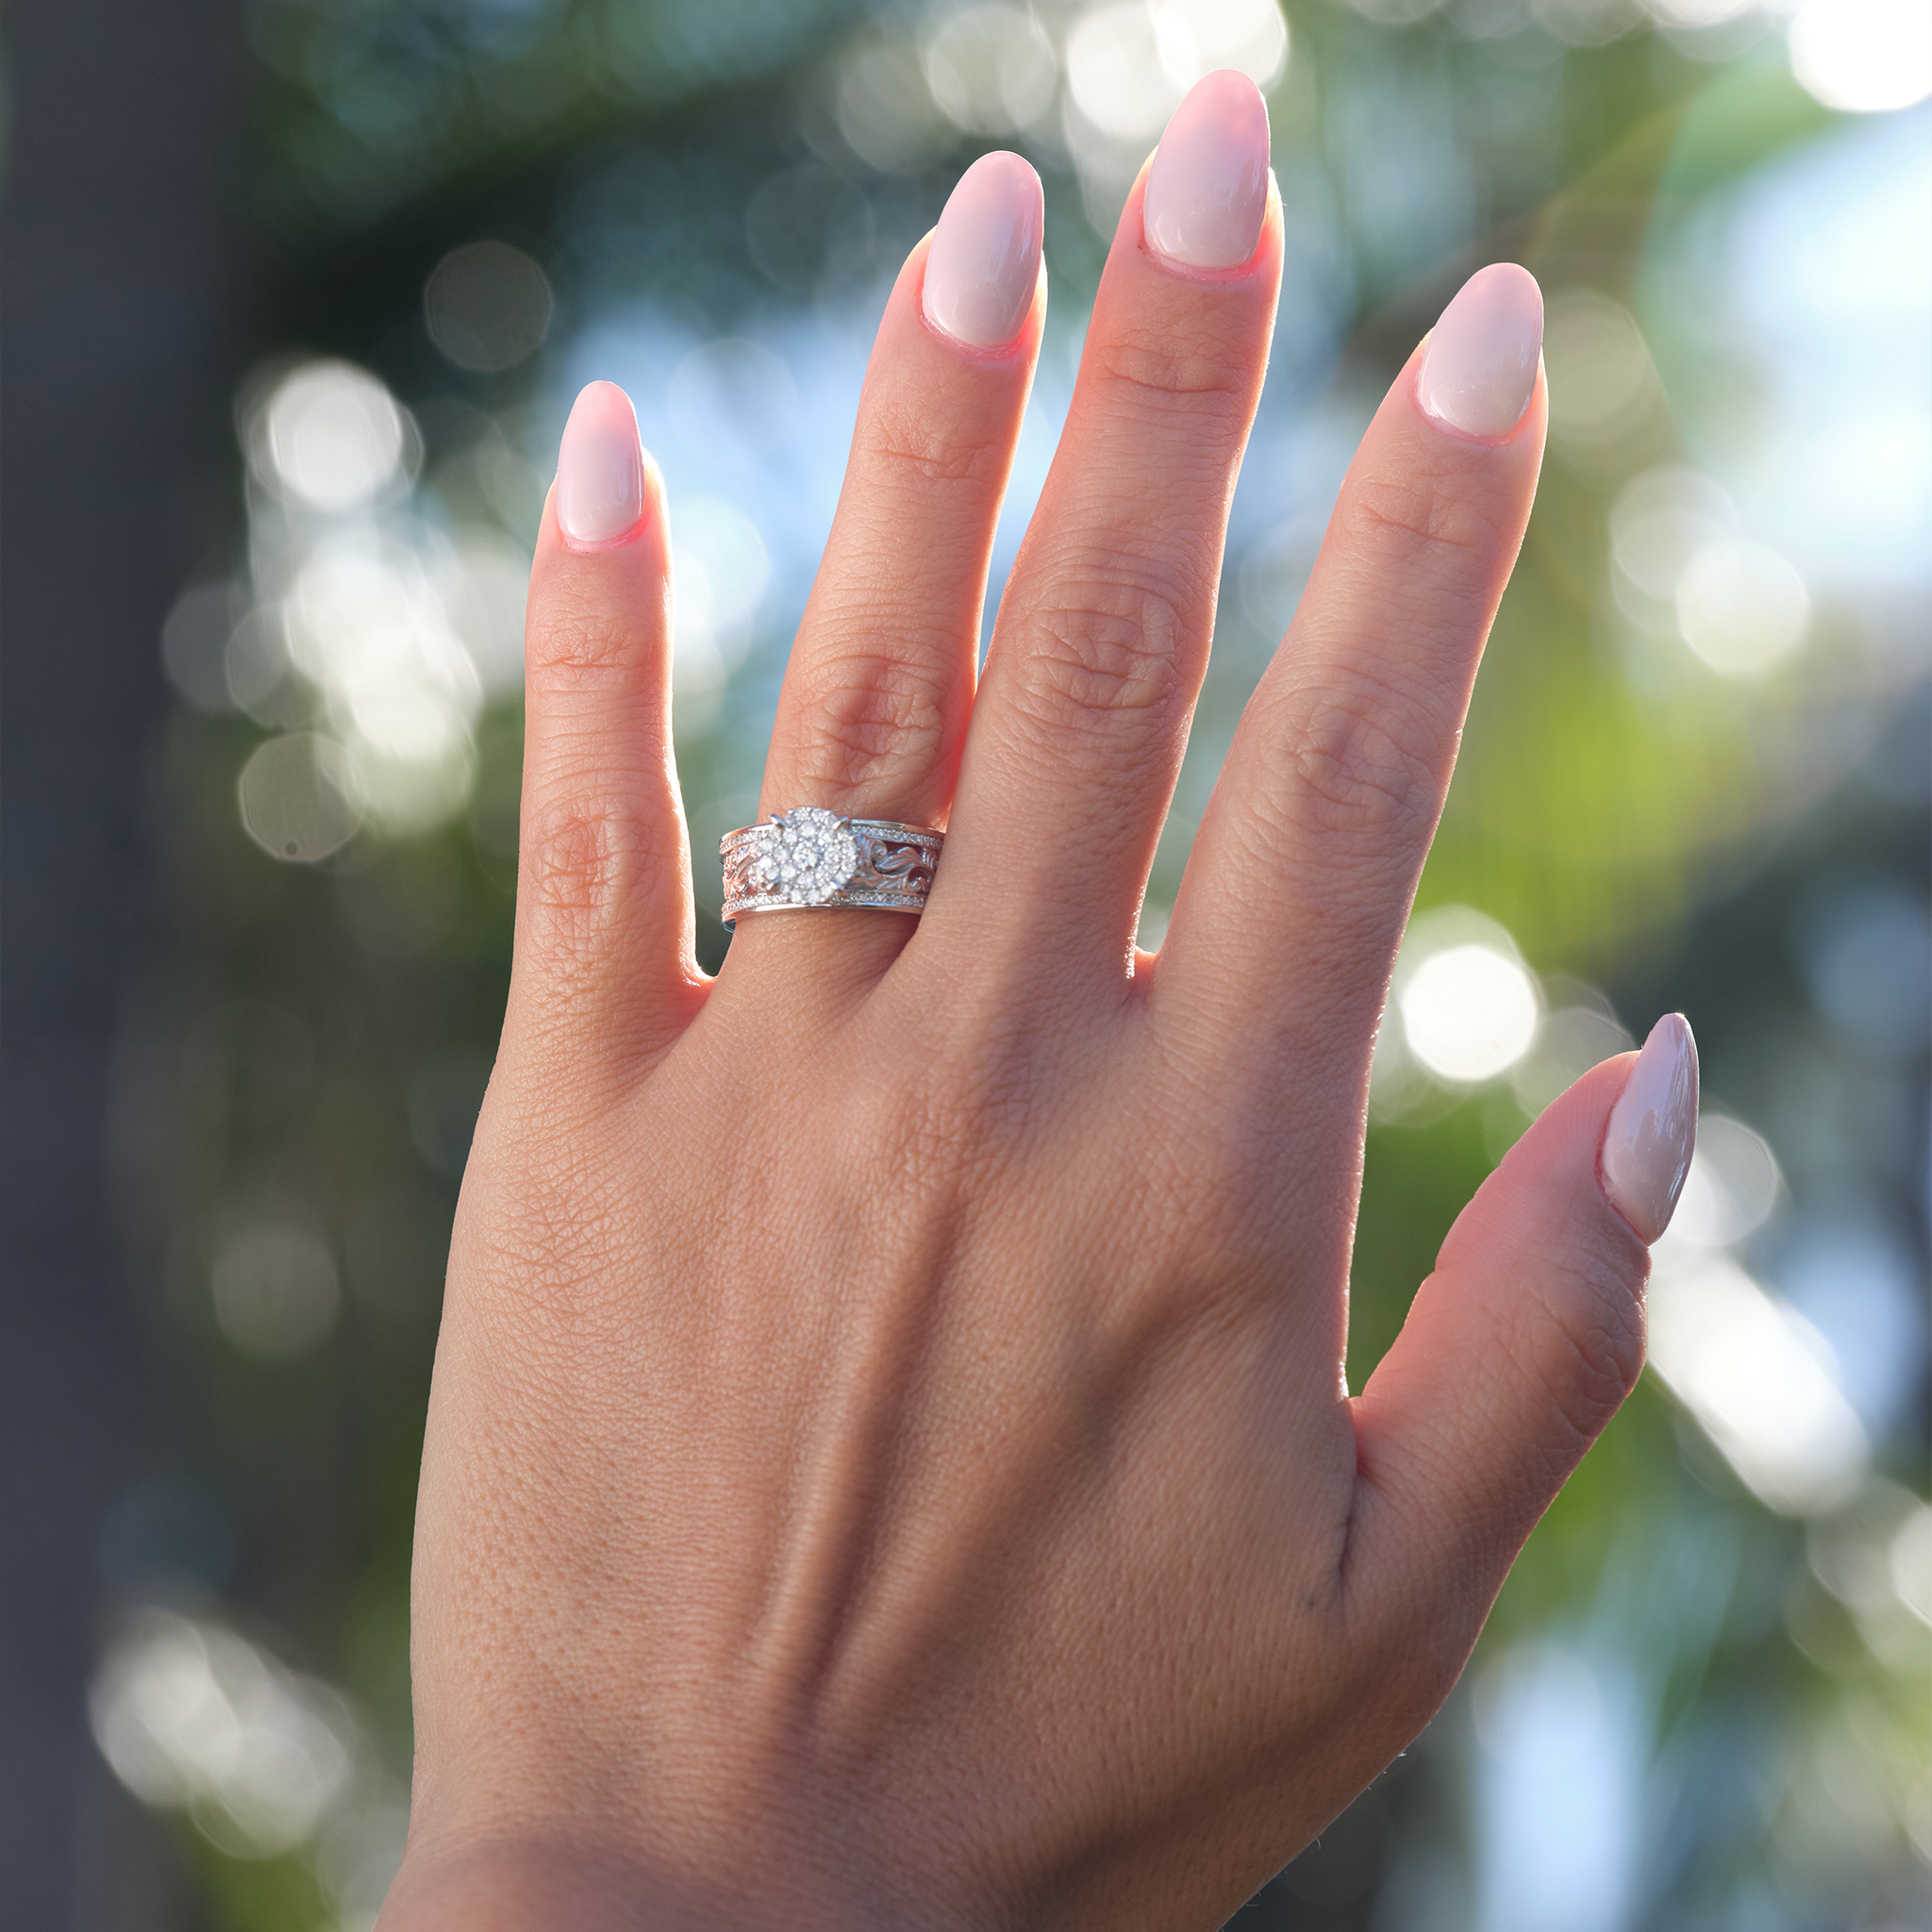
[[737, 868], [909, 864]]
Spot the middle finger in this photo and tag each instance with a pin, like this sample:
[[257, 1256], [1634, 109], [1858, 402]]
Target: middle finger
[[1083, 711]]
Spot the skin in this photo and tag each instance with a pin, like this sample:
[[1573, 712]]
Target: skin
[[889, 1461]]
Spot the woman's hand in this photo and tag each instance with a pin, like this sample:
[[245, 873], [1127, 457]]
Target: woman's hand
[[889, 1462]]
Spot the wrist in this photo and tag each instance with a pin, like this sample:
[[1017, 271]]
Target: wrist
[[534, 1881], [505, 1886]]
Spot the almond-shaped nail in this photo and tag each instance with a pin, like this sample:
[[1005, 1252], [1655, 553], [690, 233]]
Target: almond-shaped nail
[[1480, 364], [600, 468], [984, 263], [1207, 189], [1653, 1129]]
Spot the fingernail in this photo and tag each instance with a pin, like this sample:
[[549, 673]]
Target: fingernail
[[1653, 1129], [1207, 189], [1480, 365], [984, 261], [600, 468]]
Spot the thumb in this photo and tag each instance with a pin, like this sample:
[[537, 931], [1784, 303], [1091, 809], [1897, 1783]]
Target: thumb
[[1524, 1340]]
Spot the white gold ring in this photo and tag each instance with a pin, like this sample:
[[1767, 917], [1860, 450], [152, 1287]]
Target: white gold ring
[[809, 857]]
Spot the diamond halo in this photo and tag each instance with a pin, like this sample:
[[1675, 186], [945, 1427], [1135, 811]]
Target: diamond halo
[[811, 855]]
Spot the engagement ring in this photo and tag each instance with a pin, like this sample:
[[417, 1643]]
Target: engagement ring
[[808, 858]]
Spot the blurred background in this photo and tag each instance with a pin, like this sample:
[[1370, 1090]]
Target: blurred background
[[296, 294]]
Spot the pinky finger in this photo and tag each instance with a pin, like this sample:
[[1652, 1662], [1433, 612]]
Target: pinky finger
[[603, 971]]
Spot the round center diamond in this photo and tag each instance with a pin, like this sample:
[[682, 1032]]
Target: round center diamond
[[813, 855]]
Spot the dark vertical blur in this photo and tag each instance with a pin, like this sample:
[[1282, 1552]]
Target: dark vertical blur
[[120, 262]]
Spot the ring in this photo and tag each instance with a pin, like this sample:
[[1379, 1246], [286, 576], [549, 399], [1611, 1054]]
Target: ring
[[809, 857]]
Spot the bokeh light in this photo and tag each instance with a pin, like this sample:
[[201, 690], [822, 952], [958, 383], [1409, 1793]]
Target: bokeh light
[[1909, 1559], [294, 797], [1575, 1035], [1660, 521], [368, 631], [1760, 1381], [264, 1760], [722, 572], [885, 112], [194, 643], [1129, 62], [993, 69], [1870, 1556], [1864, 56], [1698, 14], [372, 638], [275, 1291], [1733, 1185], [1741, 608], [331, 435], [194, 1716], [1469, 1006], [1559, 1787], [1603, 386], [487, 306], [1468, 1012], [1855, 1283], [1866, 948]]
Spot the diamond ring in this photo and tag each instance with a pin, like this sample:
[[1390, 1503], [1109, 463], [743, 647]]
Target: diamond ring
[[809, 857]]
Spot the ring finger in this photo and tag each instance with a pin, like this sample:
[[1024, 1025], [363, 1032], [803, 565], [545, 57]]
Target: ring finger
[[875, 699]]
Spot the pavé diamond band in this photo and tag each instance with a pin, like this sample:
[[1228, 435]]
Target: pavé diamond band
[[809, 857]]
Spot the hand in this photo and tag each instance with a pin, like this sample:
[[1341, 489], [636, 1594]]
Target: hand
[[889, 1462]]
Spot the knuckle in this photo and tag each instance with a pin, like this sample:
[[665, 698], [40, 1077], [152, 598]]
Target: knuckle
[[581, 862], [1364, 761], [905, 445], [576, 639], [1595, 1324], [870, 719], [1102, 650], [573, 861], [1195, 373], [1425, 520]]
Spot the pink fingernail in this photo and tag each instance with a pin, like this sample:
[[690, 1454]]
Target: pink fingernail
[[1480, 365], [1653, 1129], [984, 261], [600, 468], [1207, 189]]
